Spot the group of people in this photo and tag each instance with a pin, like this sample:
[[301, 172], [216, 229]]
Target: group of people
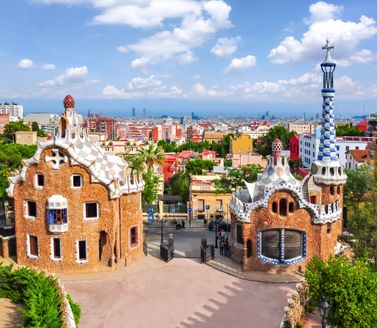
[[224, 243]]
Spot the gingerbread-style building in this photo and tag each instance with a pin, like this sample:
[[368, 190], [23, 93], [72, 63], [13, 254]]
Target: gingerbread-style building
[[280, 223], [76, 207]]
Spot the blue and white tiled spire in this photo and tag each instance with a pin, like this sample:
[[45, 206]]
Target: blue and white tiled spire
[[327, 148]]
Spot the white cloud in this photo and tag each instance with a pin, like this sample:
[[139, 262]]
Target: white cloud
[[25, 64], [186, 58], [213, 92], [195, 22], [111, 91], [225, 46], [363, 56], [323, 11], [143, 83], [151, 87], [346, 35], [241, 64], [48, 67], [196, 28], [72, 75]]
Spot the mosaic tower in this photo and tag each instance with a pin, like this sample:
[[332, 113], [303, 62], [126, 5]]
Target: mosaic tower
[[327, 148]]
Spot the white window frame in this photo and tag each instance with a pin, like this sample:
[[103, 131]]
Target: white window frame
[[57, 259], [81, 181], [84, 210], [78, 260], [26, 204], [29, 255], [36, 185], [133, 246]]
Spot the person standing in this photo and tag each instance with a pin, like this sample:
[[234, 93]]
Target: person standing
[[222, 246], [226, 248]]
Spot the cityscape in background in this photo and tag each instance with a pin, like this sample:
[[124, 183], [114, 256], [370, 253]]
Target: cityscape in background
[[188, 164]]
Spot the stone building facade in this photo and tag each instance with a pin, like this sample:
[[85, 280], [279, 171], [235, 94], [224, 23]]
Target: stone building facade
[[280, 223], [76, 207]]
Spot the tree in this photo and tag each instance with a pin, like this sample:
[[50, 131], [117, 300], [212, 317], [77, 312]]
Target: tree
[[199, 166], [358, 183], [235, 178], [143, 162], [151, 182], [350, 288], [345, 130], [263, 145], [363, 222], [34, 126], [180, 185], [11, 128], [10, 160], [152, 155]]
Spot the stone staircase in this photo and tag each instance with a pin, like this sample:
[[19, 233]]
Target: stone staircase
[[305, 192]]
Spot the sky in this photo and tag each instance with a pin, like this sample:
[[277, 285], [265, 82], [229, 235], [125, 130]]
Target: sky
[[211, 57]]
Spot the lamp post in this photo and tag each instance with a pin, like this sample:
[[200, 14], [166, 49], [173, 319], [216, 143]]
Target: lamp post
[[324, 310]]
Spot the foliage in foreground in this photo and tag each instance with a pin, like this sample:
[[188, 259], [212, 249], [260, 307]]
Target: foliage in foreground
[[38, 293], [350, 287]]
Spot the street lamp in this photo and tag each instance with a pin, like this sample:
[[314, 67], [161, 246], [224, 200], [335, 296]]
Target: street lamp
[[324, 310]]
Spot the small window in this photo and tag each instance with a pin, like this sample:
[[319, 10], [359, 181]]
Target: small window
[[239, 237], [291, 207], [338, 190], [57, 216], [39, 180], [332, 190], [33, 246], [323, 171], [332, 171], [56, 251], [219, 204], [275, 207], [283, 207], [91, 211], [31, 209], [76, 181], [134, 237], [82, 250], [328, 228]]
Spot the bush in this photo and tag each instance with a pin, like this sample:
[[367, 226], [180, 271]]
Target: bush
[[75, 309], [350, 287], [38, 293]]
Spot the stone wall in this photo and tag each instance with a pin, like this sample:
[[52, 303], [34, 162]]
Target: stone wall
[[297, 303], [100, 234], [318, 241]]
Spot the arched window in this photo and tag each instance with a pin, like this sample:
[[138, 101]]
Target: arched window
[[63, 126], [332, 171], [283, 207], [291, 207], [332, 190], [282, 246], [338, 190], [275, 207]]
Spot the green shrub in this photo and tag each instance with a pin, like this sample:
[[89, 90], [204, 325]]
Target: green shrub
[[75, 309], [350, 287], [38, 293]]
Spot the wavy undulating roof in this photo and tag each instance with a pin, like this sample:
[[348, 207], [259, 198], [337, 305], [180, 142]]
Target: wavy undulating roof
[[107, 169]]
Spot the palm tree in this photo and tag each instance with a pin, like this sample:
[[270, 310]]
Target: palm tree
[[152, 155]]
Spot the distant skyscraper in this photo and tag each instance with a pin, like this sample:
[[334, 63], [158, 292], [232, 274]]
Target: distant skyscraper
[[144, 112], [133, 111]]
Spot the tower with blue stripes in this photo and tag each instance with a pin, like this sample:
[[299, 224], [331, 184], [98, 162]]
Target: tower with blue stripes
[[327, 169], [327, 148]]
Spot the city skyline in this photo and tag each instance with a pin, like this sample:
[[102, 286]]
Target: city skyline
[[210, 57]]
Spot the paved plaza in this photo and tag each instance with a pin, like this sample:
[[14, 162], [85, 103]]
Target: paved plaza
[[178, 294], [181, 293]]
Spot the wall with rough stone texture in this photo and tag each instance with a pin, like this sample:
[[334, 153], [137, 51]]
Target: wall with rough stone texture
[[58, 182], [318, 241]]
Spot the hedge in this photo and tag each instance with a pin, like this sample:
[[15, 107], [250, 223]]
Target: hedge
[[39, 294]]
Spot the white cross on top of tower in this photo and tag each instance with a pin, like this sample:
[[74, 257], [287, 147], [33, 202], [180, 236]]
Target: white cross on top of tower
[[328, 47]]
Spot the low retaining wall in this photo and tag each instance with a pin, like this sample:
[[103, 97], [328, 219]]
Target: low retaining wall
[[297, 302]]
